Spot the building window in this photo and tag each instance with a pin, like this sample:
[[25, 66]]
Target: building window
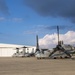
[[27, 50], [32, 50]]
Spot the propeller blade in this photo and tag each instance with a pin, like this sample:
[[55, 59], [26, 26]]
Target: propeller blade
[[37, 44], [58, 33]]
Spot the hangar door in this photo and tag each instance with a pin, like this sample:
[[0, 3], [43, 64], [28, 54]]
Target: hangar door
[[6, 52]]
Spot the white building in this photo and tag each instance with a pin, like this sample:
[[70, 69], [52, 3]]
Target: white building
[[8, 50]]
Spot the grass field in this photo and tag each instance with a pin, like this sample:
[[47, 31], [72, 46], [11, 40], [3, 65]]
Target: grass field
[[32, 66]]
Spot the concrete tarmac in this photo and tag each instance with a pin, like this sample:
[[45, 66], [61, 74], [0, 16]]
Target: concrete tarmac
[[32, 66]]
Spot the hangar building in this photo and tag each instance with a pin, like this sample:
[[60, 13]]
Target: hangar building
[[8, 50]]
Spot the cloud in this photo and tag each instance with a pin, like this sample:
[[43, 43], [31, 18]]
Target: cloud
[[30, 32], [11, 19], [53, 27], [50, 41], [17, 19], [54, 8], [2, 19], [3, 7]]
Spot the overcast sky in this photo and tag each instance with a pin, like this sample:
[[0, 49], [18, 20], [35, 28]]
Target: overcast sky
[[22, 20]]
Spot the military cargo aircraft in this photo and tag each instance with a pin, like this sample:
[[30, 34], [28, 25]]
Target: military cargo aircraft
[[60, 51]]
